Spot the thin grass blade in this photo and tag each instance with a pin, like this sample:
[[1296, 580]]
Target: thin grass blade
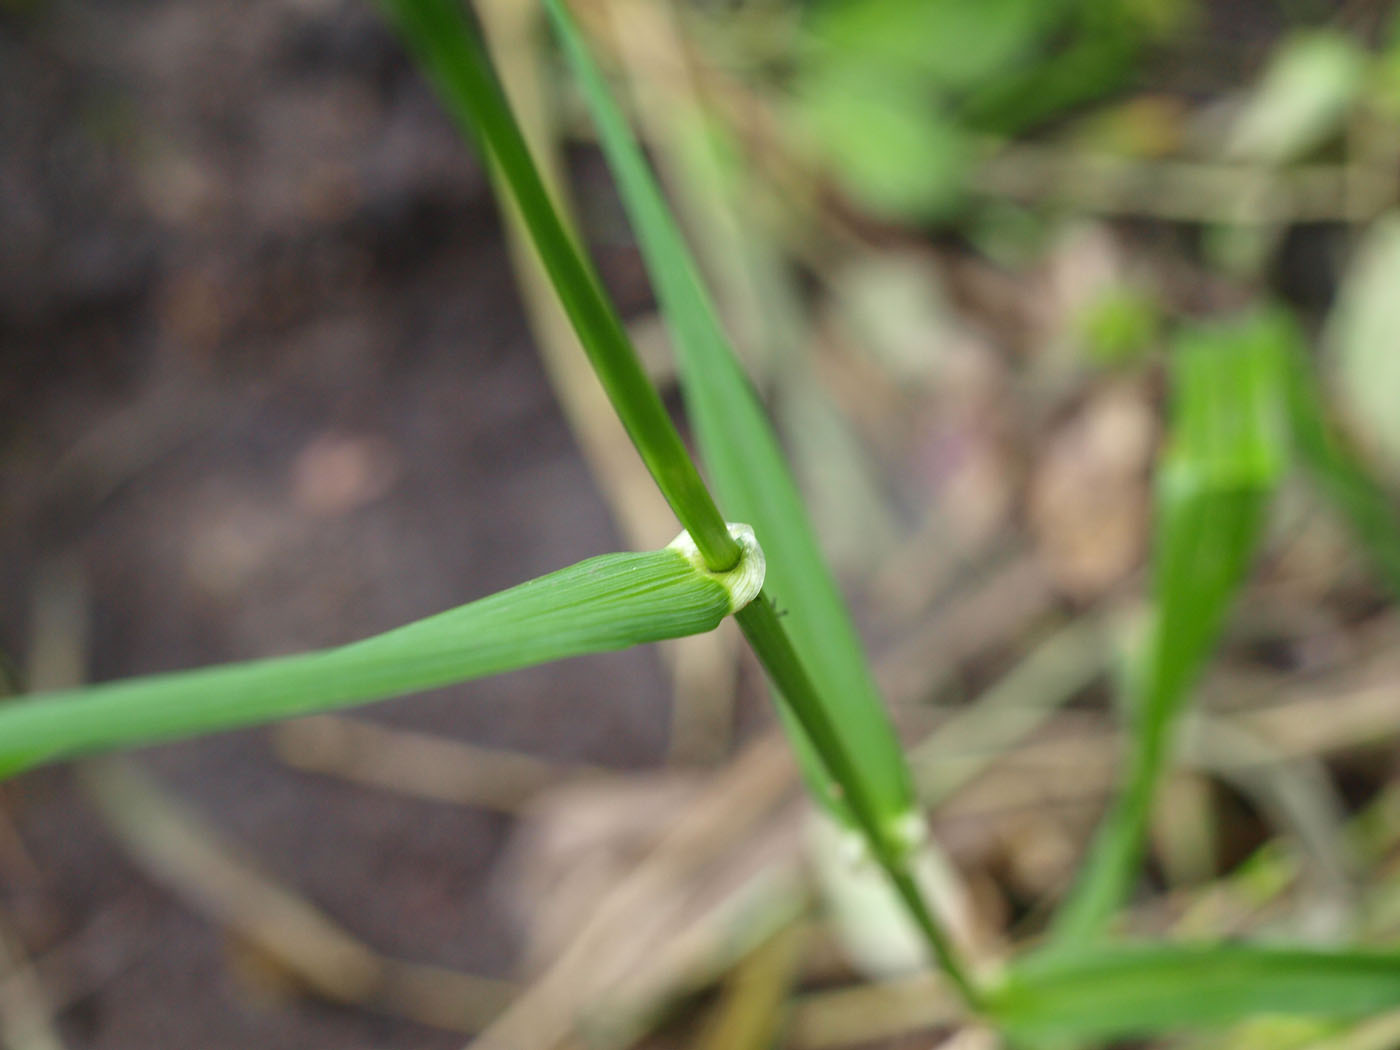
[[749, 470], [1228, 451], [609, 602], [1143, 990]]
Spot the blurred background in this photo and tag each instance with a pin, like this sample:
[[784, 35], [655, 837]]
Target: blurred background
[[270, 380]]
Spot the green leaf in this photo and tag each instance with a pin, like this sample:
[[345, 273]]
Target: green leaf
[[1098, 53], [1363, 335], [1119, 325], [1340, 473], [609, 602], [890, 147], [1303, 98], [1228, 450], [945, 44], [749, 471], [1140, 990]]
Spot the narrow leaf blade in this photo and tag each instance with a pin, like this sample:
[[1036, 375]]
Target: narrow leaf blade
[[609, 602], [1141, 990], [1228, 451]]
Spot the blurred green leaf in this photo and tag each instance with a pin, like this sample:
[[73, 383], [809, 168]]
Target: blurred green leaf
[[1228, 421], [1385, 85], [1302, 98], [1103, 39], [1141, 990], [1120, 325], [609, 602], [1228, 450], [889, 146], [1160, 18], [890, 93], [1363, 338], [945, 44]]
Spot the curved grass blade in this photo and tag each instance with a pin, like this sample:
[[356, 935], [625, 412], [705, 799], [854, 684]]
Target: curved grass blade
[[1142, 990], [1228, 451], [749, 471], [609, 602]]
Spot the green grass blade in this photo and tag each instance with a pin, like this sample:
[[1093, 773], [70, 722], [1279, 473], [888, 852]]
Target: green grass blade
[[609, 602], [1227, 454], [818, 731], [447, 46], [1339, 473], [1143, 990], [748, 468]]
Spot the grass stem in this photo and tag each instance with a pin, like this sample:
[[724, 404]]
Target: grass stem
[[439, 35], [774, 649], [449, 47]]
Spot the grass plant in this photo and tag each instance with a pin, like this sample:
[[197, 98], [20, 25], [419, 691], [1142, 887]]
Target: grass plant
[[841, 734], [1244, 408]]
